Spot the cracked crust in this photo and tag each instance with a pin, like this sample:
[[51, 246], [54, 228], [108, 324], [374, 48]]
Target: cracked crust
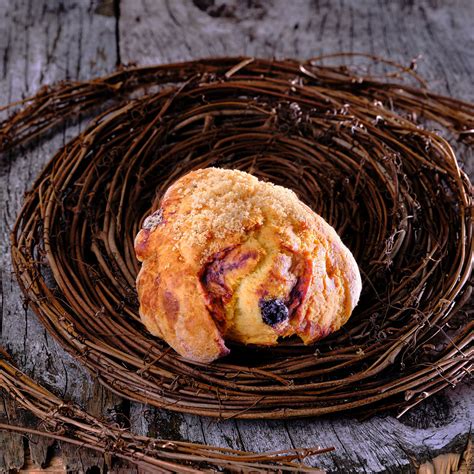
[[223, 242]]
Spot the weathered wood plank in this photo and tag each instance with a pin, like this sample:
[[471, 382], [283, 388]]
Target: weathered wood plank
[[42, 42], [442, 34]]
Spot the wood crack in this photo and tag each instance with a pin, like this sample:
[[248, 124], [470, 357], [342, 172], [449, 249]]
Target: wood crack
[[118, 60]]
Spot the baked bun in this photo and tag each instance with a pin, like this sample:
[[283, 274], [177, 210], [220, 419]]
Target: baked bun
[[229, 257]]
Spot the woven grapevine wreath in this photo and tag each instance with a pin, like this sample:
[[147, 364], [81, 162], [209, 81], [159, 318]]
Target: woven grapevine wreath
[[351, 146]]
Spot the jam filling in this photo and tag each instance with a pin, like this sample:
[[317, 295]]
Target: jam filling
[[213, 280], [273, 310]]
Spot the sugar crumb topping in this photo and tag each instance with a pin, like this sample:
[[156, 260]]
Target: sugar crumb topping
[[217, 202]]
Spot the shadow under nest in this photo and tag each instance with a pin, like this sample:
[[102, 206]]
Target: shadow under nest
[[352, 147]]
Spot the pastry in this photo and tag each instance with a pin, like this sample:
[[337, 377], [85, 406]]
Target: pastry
[[228, 257]]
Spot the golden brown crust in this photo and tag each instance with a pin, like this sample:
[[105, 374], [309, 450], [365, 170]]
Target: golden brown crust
[[224, 250]]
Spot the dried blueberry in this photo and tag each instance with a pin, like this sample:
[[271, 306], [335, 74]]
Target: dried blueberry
[[273, 311]]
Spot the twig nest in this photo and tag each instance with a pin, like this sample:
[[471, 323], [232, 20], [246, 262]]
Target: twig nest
[[347, 146]]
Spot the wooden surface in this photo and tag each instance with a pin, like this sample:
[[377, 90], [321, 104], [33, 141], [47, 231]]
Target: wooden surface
[[49, 40]]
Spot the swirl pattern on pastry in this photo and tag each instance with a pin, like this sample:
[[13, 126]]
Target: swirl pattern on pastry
[[230, 257]]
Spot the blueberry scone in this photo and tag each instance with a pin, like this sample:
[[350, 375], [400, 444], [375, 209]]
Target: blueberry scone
[[228, 257]]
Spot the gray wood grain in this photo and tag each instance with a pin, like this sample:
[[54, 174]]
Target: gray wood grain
[[45, 41], [42, 42]]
